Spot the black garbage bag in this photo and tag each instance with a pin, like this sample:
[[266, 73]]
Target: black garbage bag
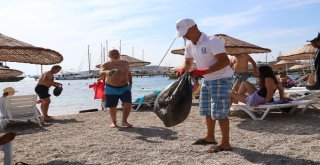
[[57, 90], [173, 104]]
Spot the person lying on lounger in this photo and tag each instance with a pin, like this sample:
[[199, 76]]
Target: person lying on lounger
[[268, 85]]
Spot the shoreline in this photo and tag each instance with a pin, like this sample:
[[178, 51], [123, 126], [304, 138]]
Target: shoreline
[[87, 139]]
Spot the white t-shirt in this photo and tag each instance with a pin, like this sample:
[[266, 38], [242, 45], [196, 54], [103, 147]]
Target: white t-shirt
[[204, 53]]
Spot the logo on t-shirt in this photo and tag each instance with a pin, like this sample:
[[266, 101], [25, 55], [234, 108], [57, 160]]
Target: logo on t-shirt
[[203, 50]]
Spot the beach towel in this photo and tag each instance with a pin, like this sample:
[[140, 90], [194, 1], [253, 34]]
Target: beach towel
[[98, 88], [173, 104]]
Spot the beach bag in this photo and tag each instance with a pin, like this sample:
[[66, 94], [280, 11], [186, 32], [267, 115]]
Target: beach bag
[[57, 90], [173, 104], [98, 88]]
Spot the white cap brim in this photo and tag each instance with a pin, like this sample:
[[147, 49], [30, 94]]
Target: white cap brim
[[181, 32]]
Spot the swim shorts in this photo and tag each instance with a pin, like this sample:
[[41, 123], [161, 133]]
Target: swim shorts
[[240, 77], [113, 94], [42, 91]]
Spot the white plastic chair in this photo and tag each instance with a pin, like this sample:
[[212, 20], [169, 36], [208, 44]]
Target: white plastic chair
[[266, 108], [21, 108]]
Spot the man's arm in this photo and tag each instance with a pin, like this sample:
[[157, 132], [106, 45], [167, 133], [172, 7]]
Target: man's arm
[[188, 64], [130, 77], [49, 79], [104, 72], [222, 61]]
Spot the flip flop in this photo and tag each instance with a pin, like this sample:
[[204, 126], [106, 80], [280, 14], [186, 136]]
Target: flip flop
[[203, 142], [215, 149]]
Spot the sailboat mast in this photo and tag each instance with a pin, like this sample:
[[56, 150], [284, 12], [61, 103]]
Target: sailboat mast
[[107, 51], [120, 47], [89, 61]]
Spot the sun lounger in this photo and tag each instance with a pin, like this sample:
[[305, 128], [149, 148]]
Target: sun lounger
[[147, 100], [20, 108], [266, 108]]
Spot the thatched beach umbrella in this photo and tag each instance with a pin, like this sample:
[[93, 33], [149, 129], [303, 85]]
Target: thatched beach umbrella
[[283, 64], [299, 66], [6, 72], [233, 46], [178, 51], [305, 52], [236, 46], [133, 62], [17, 51]]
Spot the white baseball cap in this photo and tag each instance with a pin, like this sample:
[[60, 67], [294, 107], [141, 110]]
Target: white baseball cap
[[183, 25]]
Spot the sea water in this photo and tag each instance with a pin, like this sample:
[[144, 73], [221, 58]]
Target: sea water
[[77, 95]]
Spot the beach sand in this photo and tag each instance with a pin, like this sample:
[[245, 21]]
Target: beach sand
[[87, 139]]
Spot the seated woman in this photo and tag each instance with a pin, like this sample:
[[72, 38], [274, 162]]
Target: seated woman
[[268, 85]]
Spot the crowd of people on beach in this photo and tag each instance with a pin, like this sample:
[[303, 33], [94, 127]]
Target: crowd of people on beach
[[224, 82]]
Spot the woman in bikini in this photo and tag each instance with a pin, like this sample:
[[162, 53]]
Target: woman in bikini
[[268, 84]]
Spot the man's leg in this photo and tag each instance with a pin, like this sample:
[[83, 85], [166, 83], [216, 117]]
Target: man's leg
[[126, 99], [45, 107], [210, 129], [224, 127], [113, 115], [126, 113]]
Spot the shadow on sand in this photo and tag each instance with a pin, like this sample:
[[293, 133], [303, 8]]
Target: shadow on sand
[[22, 128], [269, 159], [62, 121], [289, 124], [152, 132], [30, 127], [60, 162]]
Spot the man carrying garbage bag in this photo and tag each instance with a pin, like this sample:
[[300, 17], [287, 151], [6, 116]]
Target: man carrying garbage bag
[[213, 64]]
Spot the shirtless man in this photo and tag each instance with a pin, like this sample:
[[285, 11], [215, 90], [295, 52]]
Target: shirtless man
[[239, 63], [46, 80], [118, 81]]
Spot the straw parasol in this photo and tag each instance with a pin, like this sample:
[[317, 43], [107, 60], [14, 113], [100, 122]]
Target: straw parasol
[[234, 46], [17, 51], [283, 64], [133, 62], [178, 51], [299, 66], [305, 52], [6, 72]]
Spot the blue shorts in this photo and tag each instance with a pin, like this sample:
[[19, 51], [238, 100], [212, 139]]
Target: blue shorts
[[215, 98], [113, 94]]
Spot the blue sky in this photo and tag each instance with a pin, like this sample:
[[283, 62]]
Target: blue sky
[[149, 25]]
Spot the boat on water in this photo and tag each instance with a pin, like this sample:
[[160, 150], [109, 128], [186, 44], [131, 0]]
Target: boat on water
[[72, 75]]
